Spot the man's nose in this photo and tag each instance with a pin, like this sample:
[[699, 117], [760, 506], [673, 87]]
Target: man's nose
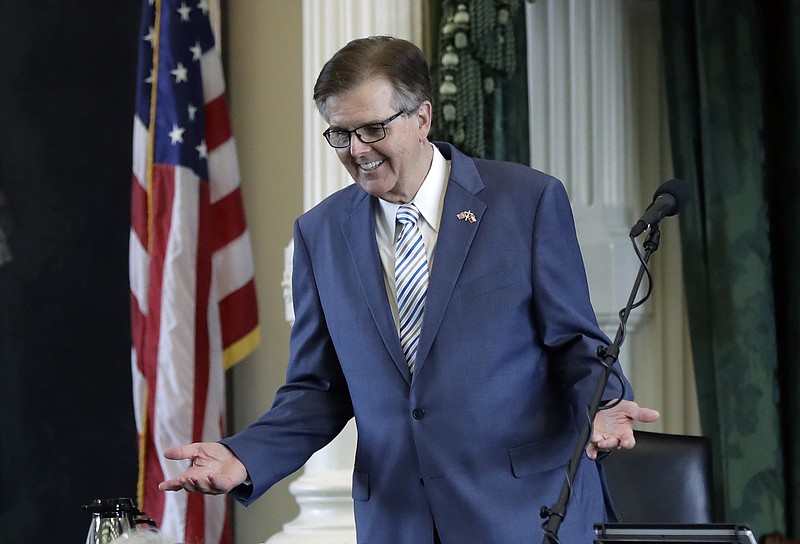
[[357, 147]]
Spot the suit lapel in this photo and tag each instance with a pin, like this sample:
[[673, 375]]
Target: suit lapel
[[359, 234], [452, 247], [453, 243]]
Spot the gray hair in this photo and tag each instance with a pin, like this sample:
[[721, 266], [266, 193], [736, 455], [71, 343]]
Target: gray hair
[[399, 61]]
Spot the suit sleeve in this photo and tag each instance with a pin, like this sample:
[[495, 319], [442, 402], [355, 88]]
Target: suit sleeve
[[562, 307], [314, 404]]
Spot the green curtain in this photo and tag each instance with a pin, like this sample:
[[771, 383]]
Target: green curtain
[[480, 77], [782, 135], [731, 69]]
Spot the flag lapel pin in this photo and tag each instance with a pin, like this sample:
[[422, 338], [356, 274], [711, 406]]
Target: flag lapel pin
[[467, 216]]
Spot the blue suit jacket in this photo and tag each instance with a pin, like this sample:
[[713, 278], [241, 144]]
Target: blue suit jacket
[[507, 363]]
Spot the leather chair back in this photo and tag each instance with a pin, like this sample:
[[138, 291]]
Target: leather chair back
[[665, 478]]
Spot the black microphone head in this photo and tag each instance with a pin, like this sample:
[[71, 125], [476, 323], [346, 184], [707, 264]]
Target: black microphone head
[[679, 190]]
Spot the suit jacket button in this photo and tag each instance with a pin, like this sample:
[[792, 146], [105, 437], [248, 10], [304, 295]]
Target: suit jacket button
[[418, 413]]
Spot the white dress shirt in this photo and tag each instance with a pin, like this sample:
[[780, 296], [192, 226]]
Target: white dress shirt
[[429, 200]]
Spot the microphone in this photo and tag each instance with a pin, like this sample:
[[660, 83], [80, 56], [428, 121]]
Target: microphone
[[668, 200]]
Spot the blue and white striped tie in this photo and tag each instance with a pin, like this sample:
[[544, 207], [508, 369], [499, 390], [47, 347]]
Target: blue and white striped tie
[[411, 280]]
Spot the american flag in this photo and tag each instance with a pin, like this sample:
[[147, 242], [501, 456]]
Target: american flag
[[193, 304]]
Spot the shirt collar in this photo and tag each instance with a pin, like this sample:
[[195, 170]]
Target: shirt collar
[[429, 199]]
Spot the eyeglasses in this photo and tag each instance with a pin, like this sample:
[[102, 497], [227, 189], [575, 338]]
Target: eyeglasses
[[367, 134]]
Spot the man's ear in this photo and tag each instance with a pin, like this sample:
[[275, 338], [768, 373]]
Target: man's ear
[[424, 118]]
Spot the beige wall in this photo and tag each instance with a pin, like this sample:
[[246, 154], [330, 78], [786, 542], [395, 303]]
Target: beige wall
[[263, 56]]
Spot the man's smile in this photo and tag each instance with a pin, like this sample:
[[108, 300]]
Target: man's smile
[[370, 166]]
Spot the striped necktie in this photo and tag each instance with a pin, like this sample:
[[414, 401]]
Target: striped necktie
[[411, 280]]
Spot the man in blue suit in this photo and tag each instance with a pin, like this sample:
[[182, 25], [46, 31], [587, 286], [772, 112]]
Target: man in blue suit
[[465, 422]]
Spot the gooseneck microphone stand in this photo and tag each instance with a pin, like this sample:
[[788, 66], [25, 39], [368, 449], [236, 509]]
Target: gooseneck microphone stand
[[555, 514]]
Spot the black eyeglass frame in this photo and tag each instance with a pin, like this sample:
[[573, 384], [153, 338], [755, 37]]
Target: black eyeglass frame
[[327, 134]]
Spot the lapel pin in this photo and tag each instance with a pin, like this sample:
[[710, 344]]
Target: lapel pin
[[467, 216]]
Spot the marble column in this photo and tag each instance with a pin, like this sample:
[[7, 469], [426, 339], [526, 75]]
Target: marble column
[[580, 127]]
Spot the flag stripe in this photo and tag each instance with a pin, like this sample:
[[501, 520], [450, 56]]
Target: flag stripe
[[203, 287], [241, 322], [229, 230], [222, 166], [213, 75], [235, 263], [148, 356], [141, 142], [218, 128], [172, 415], [138, 263], [195, 515]]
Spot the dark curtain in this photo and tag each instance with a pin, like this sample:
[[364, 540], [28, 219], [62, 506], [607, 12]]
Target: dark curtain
[[67, 433], [480, 77], [732, 68], [782, 135]]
